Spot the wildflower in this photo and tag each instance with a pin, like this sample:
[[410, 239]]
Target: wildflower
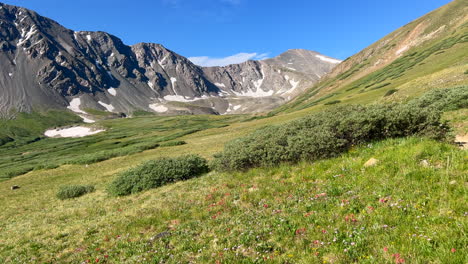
[[384, 200], [300, 231], [265, 205], [398, 258], [453, 250], [320, 195], [308, 214], [106, 256], [97, 260], [385, 249], [324, 231]]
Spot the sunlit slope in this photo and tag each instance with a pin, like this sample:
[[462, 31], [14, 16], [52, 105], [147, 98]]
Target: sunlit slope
[[430, 52]]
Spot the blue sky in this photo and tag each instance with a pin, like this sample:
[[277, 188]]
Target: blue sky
[[221, 31]]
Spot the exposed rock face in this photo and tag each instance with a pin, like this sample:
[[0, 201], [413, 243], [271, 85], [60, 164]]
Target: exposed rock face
[[44, 65]]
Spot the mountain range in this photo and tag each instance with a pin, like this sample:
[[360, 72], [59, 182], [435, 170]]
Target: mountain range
[[44, 65]]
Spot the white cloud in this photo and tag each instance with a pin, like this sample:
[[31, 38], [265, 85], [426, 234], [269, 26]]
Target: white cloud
[[233, 59]]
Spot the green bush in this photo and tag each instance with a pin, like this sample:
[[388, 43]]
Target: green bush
[[443, 99], [156, 173], [390, 92], [73, 191], [173, 143], [329, 133], [332, 102]]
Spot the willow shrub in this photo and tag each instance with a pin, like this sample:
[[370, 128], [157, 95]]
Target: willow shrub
[[156, 173], [331, 132], [74, 191]]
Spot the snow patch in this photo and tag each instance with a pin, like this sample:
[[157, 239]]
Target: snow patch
[[160, 62], [232, 107], [292, 69], [75, 106], [88, 37], [72, 132], [173, 81], [403, 49], [112, 91], [25, 36], [178, 98], [108, 107], [10, 74], [294, 85], [220, 85], [257, 93], [323, 58], [151, 85], [87, 120], [259, 83], [158, 108], [286, 77]]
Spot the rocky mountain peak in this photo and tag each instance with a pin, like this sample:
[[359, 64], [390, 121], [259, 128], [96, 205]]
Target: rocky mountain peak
[[44, 64]]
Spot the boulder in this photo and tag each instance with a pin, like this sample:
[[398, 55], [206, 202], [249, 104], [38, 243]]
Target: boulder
[[371, 162]]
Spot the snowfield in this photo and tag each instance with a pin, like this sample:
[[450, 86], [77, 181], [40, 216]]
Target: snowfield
[[72, 132], [323, 58]]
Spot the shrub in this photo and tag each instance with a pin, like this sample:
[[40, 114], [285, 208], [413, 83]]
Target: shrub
[[332, 102], [329, 133], [156, 173], [74, 191], [443, 99], [390, 92], [173, 143]]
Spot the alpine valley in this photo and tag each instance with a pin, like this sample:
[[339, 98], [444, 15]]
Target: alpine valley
[[112, 153]]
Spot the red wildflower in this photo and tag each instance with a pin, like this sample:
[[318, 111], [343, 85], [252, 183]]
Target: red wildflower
[[324, 231], [97, 260], [300, 231], [453, 250], [320, 195], [106, 256], [308, 214], [265, 205], [398, 258], [385, 249], [350, 218]]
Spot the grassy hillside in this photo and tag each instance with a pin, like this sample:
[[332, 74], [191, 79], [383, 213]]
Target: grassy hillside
[[334, 211], [25, 128], [122, 137], [409, 207], [428, 53]]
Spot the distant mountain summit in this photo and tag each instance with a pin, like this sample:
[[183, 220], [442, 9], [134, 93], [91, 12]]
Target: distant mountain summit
[[44, 65]]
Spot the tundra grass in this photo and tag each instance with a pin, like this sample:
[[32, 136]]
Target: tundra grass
[[122, 137], [409, 207]]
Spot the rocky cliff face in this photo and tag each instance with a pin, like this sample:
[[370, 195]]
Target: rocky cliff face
[[44, 65]]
